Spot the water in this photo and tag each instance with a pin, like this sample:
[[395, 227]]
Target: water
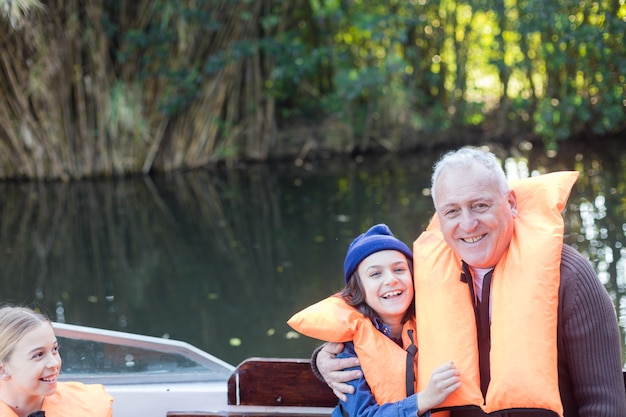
[[221, 259]]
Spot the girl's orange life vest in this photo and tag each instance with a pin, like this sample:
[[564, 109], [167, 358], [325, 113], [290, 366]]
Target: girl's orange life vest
[[382, 360], [73, 399], [525, 289]]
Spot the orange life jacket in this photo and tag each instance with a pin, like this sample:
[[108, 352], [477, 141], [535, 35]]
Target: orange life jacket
[[73, 399], [523, 356], [382, 360]]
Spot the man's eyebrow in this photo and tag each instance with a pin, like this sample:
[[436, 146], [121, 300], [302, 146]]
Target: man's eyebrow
[[482, 200], [447, 205]]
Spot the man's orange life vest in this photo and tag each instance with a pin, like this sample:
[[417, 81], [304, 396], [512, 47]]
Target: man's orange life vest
[[382, 360], [73, 399], [525, 288]]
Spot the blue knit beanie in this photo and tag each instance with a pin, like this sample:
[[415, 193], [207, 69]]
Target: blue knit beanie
[[376, 239]]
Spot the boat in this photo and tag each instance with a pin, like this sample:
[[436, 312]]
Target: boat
[[157, 377]]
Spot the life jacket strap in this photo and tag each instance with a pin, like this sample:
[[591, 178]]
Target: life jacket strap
[[411, 350]]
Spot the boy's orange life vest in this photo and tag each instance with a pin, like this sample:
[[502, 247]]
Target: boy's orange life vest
[[525, 289], [73, 399], [382, 360]]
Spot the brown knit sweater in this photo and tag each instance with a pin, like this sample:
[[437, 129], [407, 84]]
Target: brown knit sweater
[[589, 357], [588, 341]]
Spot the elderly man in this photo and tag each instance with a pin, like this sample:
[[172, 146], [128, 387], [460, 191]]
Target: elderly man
[[524, 317]]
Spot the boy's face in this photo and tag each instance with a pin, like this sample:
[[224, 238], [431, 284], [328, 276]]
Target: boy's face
[[388, 284]]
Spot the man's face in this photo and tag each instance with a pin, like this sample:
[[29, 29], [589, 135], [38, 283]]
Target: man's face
[[476, 219]]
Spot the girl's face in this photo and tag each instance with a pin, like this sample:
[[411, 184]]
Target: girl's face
[[388, 284], [34, 365]]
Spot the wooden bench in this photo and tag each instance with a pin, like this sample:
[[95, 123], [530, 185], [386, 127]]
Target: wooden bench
[[262, 387]]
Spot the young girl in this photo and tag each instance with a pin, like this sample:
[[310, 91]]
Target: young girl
[[374, 316], [29, 369]]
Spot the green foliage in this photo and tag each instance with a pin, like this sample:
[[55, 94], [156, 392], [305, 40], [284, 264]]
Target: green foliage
[[193, 82], [561, 62], [163, 51]]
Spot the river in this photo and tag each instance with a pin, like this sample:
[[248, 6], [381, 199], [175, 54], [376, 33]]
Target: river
[[222, 258]]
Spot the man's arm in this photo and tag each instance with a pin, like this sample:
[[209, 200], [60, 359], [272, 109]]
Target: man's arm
[[328, 368], [590, 360], [362, 402]]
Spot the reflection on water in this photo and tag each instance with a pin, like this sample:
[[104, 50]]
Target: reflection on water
[[221, 259]]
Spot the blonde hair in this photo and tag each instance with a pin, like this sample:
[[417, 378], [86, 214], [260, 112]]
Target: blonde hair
[[15, 322]]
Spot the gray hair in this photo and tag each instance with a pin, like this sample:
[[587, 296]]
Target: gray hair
[[465, 157]]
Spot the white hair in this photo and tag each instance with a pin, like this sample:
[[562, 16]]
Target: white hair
[[466, 157]]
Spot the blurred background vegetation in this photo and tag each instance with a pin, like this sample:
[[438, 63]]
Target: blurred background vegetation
[[111, 87]]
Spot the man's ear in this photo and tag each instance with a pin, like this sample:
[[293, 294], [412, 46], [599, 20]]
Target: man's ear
[[512, 200]]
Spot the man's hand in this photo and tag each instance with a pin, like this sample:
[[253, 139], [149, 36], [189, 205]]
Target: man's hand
[[332, 369]]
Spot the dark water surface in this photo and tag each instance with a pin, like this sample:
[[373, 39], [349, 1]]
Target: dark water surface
[[221, 259]]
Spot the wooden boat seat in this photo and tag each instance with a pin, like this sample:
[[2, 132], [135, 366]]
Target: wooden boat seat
[[261, 387]]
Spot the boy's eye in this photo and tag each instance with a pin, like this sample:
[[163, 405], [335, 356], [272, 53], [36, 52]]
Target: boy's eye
[[374, 274]]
